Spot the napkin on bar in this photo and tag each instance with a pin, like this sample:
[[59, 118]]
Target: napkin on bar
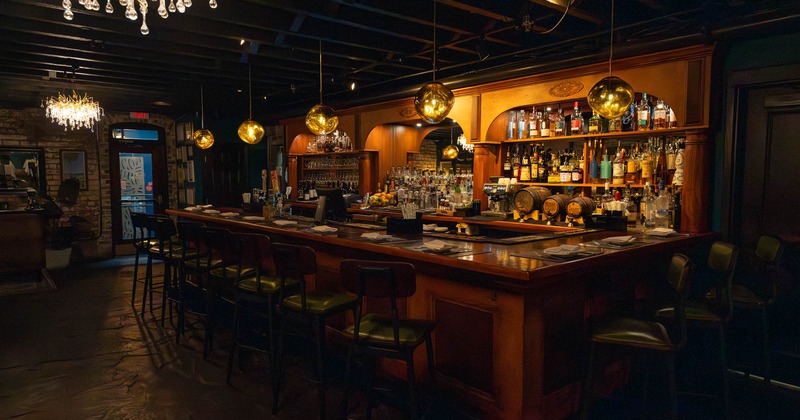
[[436, 245], [324, 229]]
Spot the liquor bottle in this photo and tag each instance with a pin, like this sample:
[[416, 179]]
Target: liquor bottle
[[677, 177], [660, 176], [522, 125], [643, 114], [564, 168], [576, 120], [542, 166], [313, 193], [559, 119], [533, 124], [605, 169], [671, 121], [515, 162], [646, 164], [594, 123], [535, 164], [512, 125], [306, 189], [553, 176], [631, 207], [662, 207], [618, 168], [607, 199], [594, 168], [632, 166], [660, 115], [545, 121], [577, 171], [671, 153], [525, 166], [648, 207], [507, 164]]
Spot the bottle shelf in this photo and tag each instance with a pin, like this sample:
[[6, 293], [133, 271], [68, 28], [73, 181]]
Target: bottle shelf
[[617, 135], [332, 168], [570, 184]]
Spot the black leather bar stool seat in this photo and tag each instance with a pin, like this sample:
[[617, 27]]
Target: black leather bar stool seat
[[164, 246], [646, 334], [187, 291], [219, 279], [308, 308], [378, 335]]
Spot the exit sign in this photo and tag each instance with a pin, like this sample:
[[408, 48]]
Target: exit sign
[[140, 115]]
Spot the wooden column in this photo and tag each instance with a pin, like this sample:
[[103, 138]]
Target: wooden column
[[292, 171], [485, 164], [696, 173], [366, 172]]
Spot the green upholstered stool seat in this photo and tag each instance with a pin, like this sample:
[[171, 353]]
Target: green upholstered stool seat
[[377, 329], [634, 333], [695, 311], [320, 302]]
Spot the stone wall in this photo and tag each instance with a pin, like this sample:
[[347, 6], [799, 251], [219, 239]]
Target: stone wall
[[30, 128], [426, 159]]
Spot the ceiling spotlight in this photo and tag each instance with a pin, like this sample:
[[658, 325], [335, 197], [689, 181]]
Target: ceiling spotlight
[[241, 42], [238, 91], [419, 124], [352, 85]]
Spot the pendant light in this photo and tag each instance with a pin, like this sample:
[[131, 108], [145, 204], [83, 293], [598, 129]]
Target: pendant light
[[321, 119], [250, 131], [434, 100], [611, 96], [450, 151], [202, 137]]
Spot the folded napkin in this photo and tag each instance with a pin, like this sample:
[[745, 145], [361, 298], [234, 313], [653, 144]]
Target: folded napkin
[[324, 229], [436, 245], [205, 206], [661, 232], [429, 226], [618, 240], [284, 222], [564, 250], [211, 211], [192, 209], [375, 236], [229, 214]]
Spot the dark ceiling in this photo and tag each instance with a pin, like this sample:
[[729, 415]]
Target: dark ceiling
[[384, 46]]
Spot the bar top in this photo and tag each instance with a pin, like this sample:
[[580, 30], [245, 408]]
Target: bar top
[[534, 263]]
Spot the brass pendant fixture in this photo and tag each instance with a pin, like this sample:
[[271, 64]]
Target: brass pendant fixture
[[202, 137], [434, 100], [450, 151], [321, 119], [611, 96], [250, 131]]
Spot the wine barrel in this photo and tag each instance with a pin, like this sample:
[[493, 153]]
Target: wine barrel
[[530, 199], [555, 205], [580, 207]]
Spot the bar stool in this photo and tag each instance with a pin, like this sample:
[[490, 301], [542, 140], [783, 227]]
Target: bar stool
[[714, 314], [223, 253], [255, 295], [189, 292], [646, 335], [296, 262], [381, 336], [164, 247], [142, 241], [768, 254]]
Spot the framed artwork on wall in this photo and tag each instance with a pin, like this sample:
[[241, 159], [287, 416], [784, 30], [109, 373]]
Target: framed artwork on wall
[[22, 168], [73, 165]]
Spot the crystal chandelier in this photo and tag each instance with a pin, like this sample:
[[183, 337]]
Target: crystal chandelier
[[130, 9], [73, 112], [464, 145]]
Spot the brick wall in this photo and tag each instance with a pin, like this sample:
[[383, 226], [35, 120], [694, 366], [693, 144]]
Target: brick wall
[[426, 159], [30, 128]]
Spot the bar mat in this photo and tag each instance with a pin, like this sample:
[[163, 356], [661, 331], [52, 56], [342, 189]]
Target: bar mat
[[606, 245], [537, 255]]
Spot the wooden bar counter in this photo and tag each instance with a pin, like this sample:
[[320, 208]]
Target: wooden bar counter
[[511, 331]]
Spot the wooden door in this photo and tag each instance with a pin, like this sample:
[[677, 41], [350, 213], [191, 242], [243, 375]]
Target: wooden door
[[762, 161], [225, 174]]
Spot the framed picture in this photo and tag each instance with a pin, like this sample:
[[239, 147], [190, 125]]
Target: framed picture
[[22, 168], [73, 165]]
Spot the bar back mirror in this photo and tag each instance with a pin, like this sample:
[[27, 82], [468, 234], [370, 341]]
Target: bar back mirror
[[22, 168]]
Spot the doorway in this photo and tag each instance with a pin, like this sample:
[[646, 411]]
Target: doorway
[[139, 180]]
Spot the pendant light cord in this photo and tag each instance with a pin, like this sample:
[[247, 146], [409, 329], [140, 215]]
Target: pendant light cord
[[250, 85], [320, 71], [611, 41], [202, 110], [434, 40]]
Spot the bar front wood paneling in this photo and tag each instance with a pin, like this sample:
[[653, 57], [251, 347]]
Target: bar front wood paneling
[[511, 330]]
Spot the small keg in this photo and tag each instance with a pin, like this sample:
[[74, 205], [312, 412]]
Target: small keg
[[530, 199], [555, 205], [580, 207]]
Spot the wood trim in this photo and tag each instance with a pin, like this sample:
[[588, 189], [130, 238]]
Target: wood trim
[[697, 174]]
